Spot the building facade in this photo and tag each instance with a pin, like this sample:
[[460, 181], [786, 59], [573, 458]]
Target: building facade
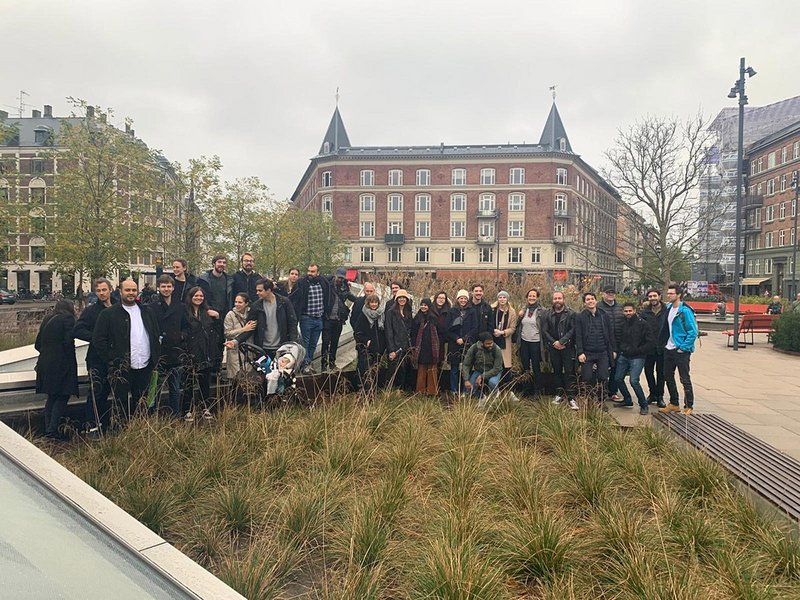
[[482, 211], [29, 166], [771, 212]]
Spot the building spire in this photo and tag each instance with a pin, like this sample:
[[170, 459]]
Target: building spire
[[554, 135], [336, 135]]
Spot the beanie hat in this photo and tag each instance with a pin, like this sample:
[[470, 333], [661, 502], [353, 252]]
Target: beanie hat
[[464, 293], [426, 301], [503, 294]]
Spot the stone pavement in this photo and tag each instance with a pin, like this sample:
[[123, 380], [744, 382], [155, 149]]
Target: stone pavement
[[756, 389]]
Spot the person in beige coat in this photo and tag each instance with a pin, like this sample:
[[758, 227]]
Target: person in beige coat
[[235, 324], [504, 323]]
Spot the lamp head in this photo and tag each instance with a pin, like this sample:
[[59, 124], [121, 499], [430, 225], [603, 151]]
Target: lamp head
[[750, 71], [733, 92]]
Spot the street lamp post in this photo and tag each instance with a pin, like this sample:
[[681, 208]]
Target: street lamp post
[[796, 186], [738, 91]]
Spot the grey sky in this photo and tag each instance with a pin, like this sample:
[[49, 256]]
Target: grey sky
[[254, 82]]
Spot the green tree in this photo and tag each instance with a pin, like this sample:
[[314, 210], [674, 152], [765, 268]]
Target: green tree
[[108, 182]]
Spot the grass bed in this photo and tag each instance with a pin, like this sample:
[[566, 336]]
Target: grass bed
[[407, 498]]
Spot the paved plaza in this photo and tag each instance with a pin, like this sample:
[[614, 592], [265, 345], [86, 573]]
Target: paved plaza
[[757, 389]]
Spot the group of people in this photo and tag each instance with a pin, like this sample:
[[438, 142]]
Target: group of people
[[176, 336], [599, 346]]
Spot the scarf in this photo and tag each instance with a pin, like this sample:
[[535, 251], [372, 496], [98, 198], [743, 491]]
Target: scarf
[[434, 339], [374, 315], [532, 308]]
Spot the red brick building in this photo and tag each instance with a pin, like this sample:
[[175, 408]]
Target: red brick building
[[770, 209], [467, 209]]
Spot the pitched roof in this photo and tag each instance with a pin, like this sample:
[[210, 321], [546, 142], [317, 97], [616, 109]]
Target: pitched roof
[[759, 121], [554, 131], [336, 136]]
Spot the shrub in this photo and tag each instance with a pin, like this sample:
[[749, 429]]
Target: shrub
[[787, 332]]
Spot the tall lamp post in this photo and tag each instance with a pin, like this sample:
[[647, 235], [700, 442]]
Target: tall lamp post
[[796, 186], [738, 91]]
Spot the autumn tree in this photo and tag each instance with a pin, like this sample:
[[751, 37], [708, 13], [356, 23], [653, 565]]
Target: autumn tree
[[656, 165], [107, 187]]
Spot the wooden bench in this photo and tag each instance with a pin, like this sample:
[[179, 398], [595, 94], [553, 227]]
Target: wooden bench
[[763, 469], [751, 324], [710, 308], [703, 308]]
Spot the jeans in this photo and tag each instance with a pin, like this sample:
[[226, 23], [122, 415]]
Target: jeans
[[632, 366], [129, 386], [174, 379], [531, 355], [563, 363], [310, 330], [595, 373], [491, 382], [654, 373], [680, 360], [331, 331], [98, 409]]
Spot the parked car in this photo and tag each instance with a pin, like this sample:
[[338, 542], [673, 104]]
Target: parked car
[[7, 297]]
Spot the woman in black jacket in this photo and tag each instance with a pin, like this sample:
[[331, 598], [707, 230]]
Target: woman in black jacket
[[370, 339], [57, 367], [398, 341], [425, 339], [441, 311], [203, 351]]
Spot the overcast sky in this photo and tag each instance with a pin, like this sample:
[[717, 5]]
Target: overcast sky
[[254, 81]]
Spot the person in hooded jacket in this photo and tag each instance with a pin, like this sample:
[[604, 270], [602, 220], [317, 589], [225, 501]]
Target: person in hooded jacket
[[504, 322], [370, 340], [398, 324], [57, 366], [425, 338], [203, 352], [462, 331]]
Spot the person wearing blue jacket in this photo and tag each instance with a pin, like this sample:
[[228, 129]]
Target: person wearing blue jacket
[[679, 333]]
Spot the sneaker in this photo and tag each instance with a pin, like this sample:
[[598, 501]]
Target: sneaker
[[616, 398], [94, 433], [189, 418], [574, 405], [207, 415], [669, 408], [660, 403], [651, 399], [558, 400], [688, 410], [627, 404], [644, 410], [308, 370]]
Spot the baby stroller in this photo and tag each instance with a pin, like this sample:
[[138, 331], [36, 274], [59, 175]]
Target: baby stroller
[[278, 375]]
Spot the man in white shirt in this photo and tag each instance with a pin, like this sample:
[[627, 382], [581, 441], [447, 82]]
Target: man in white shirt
[[127, 338]]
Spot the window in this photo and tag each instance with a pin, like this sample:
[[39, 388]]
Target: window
[[782, 211], [560, 256], [486, 254], [782, 238], [769, 213], [422, 254], [327, 204], [459, 177], [559, 229], [423, 177], [560, 205], [43, 137], [395, 177], [367, 229], [796, 150], [783, 183], [767, 266], [395, 227], [367, 177], [422, 229], [757, 266], [5, 194], [458, 229], [348, 255], [486, 203], [423, 203], [367, 203], [486, 229], [37, 225], [515, 254], [536, 255], [760, 164], [37, 195], [37, 254], [366, 253], [37, 166], [516, 228], [395, 254], [395, 203], [516, 202], [561, 176], [791, 236], [794, 207], [770, 187], [457, 255], [516, 176], [750, 267], [458, 203], [327, 179], [771, 160], [784, 152], [487, 177], [768, 239]]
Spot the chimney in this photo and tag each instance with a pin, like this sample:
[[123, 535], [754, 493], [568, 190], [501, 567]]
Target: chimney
[[103, 117], [133, 133], [36, 114], [48, 111], [90, 112], [127, 127], [3, 115]]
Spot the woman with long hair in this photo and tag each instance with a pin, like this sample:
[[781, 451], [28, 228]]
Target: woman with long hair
[[57, 366], [504, 318], [530, 338], [426, 349], [235, 324], [370, 339], [441, 310], [203, 352], [398, 324]]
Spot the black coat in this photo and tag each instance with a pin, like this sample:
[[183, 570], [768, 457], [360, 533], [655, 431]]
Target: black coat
[[364, 332], [112, 335], [636, 339], [483, 317], [615, 316], [203, 348], [340, 293], [174, 327], [204, 282], [182, 287], [84, 329], [458, 327], [242, 282], [564, 331], [57, 367], [656, 323], [284, 313], [398, 330], [355, 312], [582, 326]]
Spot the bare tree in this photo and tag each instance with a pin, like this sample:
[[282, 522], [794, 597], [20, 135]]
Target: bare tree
[[656, 165]]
